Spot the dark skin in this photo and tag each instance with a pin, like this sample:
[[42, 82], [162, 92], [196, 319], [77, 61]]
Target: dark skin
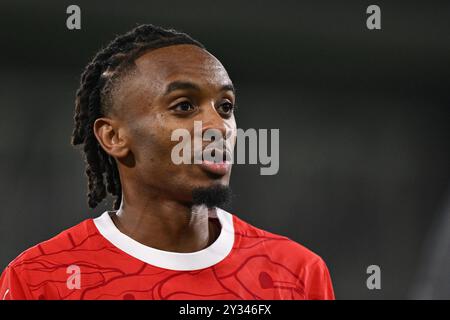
[[168, 89]]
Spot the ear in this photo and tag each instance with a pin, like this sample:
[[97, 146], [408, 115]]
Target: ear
[[111, 137]]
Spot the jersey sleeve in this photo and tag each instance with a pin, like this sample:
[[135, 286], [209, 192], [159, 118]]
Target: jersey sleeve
[[318, 282], [11, 287]]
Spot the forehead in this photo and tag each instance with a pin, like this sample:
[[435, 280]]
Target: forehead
[[181, 62]]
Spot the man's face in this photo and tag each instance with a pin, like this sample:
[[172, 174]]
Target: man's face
[[170, 89]]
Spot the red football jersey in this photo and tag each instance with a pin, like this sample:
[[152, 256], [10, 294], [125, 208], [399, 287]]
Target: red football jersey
[[94, 260]]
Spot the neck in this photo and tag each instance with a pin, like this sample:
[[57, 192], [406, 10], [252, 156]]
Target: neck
[[165, 224]]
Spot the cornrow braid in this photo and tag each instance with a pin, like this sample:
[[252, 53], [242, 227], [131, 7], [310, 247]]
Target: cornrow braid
[[93, 96]]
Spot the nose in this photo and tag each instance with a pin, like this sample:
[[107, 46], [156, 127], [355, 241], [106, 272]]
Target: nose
[[212, 120]]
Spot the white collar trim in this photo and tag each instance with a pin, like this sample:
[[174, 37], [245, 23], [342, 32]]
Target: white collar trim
[[204, 258]]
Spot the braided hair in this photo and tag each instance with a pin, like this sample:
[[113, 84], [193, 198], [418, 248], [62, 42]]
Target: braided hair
[[94, 99]]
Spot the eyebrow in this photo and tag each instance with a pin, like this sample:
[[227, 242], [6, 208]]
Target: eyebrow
[[186, 85]]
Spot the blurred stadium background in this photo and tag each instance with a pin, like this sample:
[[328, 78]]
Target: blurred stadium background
[[363, 118]]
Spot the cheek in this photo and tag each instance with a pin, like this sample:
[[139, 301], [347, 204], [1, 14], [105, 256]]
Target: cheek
[[152, 142], [150, 139]]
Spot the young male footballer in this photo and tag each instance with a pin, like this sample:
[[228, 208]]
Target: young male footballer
[[167, 237]]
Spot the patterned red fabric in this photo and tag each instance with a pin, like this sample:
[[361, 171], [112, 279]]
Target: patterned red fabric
[[261, 265]]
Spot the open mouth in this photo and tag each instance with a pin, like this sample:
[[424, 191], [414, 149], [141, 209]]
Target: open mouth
[[216, 161]]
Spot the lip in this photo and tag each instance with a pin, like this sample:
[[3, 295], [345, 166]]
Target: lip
[[218, 168]]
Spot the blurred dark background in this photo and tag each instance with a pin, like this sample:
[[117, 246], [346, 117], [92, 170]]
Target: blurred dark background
[[363, 118]]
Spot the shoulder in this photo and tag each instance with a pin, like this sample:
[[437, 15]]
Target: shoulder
[[55, 248], [27, 275], [248, 231], [276, 244], [279, 257]]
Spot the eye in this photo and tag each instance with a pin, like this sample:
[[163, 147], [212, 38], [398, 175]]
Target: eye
[[184, 107], [226, 108]]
